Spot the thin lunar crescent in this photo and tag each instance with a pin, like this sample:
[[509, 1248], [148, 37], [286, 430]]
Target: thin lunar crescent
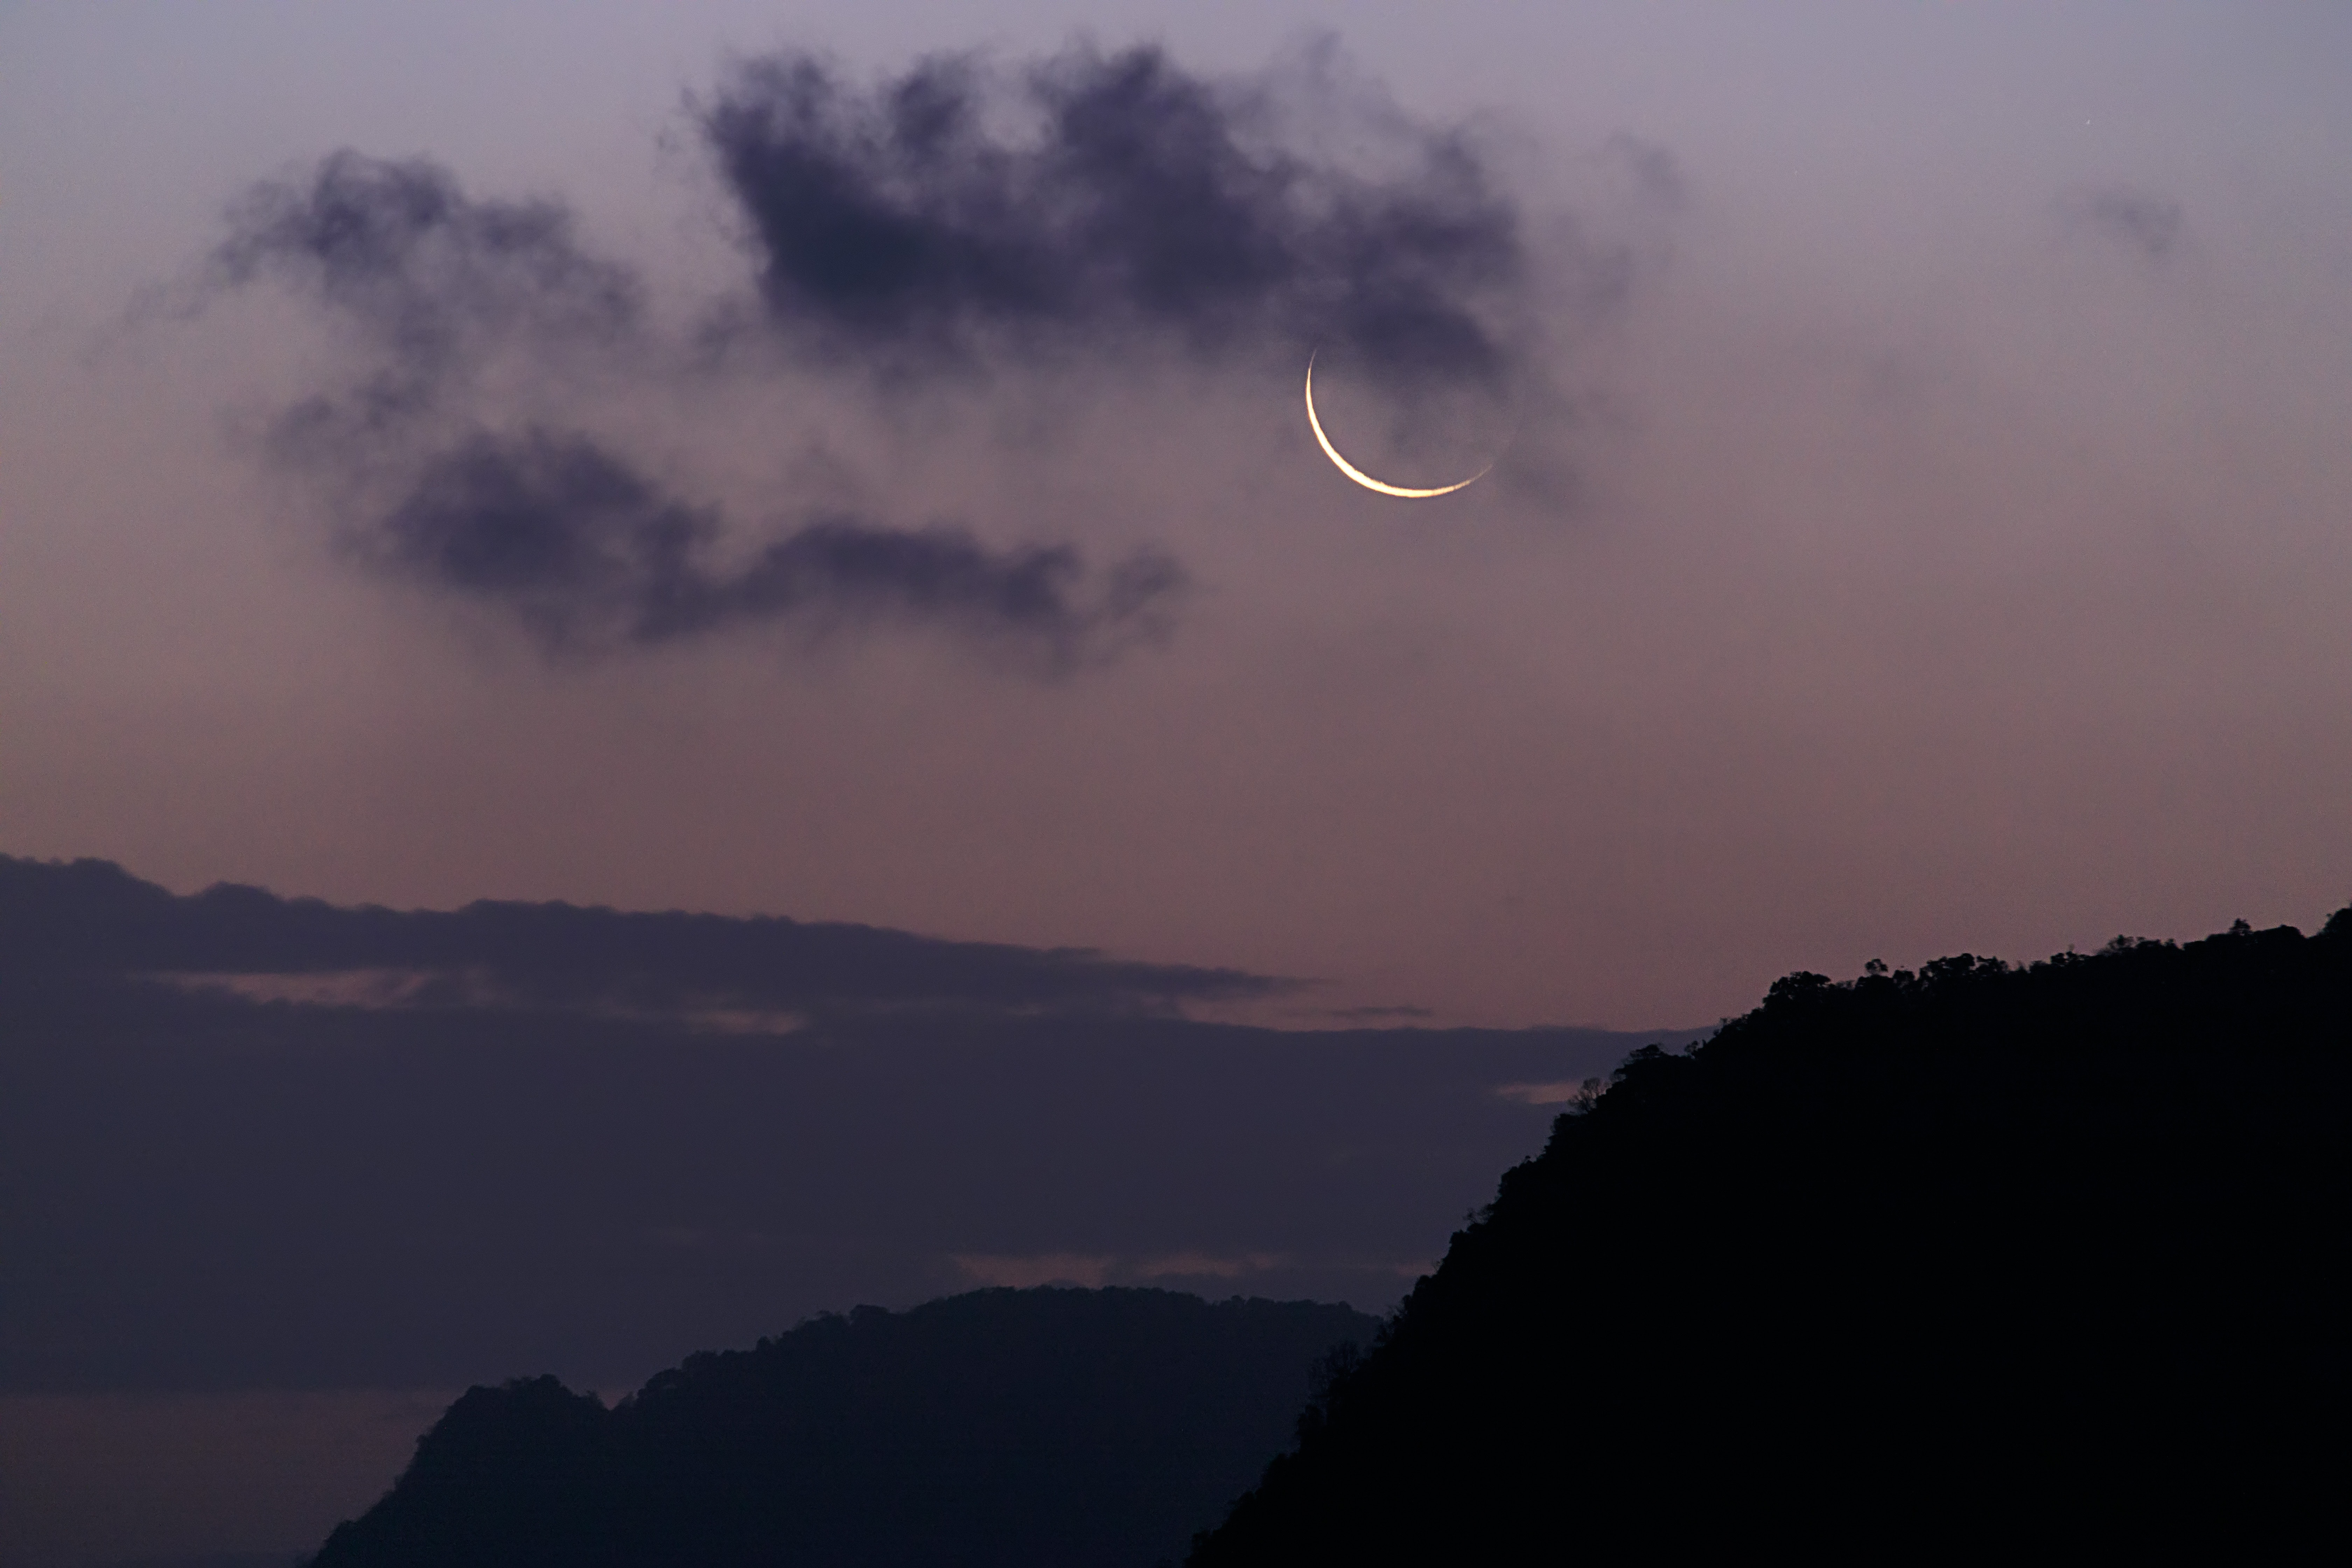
[[1357, 473]]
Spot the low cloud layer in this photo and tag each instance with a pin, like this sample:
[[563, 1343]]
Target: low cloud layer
[[89, 918], [1133, 196], [558, 1164]]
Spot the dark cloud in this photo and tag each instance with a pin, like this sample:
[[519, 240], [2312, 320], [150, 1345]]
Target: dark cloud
[[558, 529], [956, 213], [587, 552], [1656, 174], [430, 275], [90, 918], [2147, 223], [904, 220]]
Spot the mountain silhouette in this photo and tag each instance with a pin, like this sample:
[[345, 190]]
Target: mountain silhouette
[[1033, 1428], [1972, 1260]]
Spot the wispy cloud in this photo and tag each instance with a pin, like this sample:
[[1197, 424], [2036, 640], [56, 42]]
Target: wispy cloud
[[2140, 220], [431, 279], [557, 529]]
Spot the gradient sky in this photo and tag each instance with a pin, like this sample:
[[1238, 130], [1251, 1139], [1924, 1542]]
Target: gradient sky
[[1928, 530]]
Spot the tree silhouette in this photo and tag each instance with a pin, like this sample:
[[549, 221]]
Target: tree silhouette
[[1030, 1427], [1975, 1259]]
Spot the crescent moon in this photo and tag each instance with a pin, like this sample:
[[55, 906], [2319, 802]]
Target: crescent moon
[[1357, 473]]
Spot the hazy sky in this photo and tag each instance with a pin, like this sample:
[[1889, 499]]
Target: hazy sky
[[1925, 525]]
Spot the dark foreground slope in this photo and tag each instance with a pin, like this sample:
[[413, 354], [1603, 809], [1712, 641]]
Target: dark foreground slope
[[1977, 1259], [1032, 1428]]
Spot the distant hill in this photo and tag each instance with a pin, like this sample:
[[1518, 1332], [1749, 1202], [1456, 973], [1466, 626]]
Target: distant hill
[[1975, 1261], [1030, 1427]]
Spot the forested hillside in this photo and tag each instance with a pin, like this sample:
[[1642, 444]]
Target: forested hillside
[[1978, 1258]]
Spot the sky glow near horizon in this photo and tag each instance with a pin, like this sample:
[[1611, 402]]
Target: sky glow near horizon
[[1932, 530]]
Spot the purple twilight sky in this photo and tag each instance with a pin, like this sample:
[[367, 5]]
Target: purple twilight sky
[[1924, 528]]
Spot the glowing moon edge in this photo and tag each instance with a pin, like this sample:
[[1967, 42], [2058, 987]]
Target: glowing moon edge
[[1357, 473]]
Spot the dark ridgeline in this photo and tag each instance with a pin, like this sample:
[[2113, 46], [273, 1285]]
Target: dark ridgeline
[[1980, 1259], [1092, 1428]]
